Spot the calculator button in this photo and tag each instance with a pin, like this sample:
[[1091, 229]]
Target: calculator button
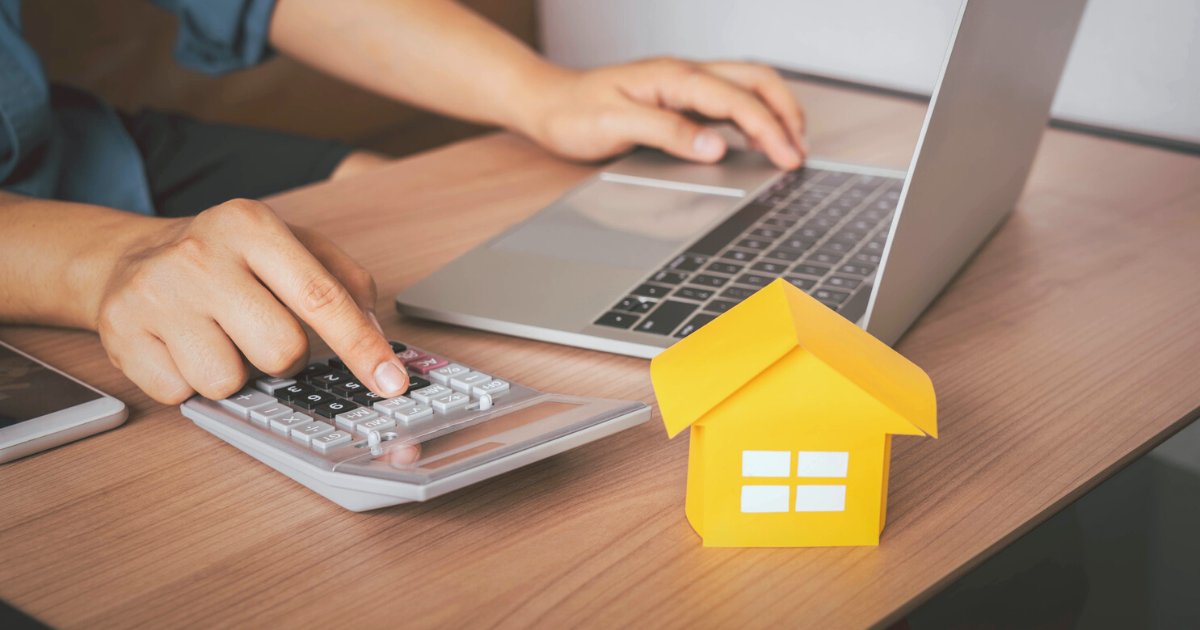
[[397, 347], [312, 399], [269, 412], [392, 405], [450, 402], [416, 412], [444, 374], [338, 364], [270, 385], [304, 433], [367, 398], [329, 380], [331, 440], [291, 392], [349, 419], [247, 399], [426, 365], [348, 389], [313, 369], [375, 424], [416, 382], [494, 388], [334, 407], [410, 355], [290, 421], [433, 391], [465, 382]]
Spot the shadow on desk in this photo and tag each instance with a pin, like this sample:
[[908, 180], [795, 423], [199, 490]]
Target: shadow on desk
[[1126, 555]]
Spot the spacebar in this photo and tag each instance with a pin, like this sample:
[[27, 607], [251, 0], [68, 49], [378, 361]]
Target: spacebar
[[714, 241]]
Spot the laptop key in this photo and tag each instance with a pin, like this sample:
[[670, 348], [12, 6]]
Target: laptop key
[[737, 293], [731, 228], [634, 304], [866, 258], [740, 256], [754, 243], [616, 320], [666, 318], [692, 293], [709, 281], [810, 270], [724, 267], [825, 258], [829, 295], [669, 277], [770, 267], [839, 282], [849, 236], [697, 322], [780, 222], [754, 280], [649, 290], [798, 244], [687, 262], [856, 270], [785, 255], [804, 284], [809, 233], [766, 233], [719, 306]]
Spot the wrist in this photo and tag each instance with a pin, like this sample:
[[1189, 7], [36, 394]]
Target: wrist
[[531, 94]]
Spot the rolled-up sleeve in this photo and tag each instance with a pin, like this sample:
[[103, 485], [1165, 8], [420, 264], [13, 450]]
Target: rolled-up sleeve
[[219, 36]]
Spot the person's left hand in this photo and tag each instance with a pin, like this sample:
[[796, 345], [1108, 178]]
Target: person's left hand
[[600, 113]]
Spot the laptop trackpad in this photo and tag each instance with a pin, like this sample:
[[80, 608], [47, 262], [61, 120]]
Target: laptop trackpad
[[619, 224]]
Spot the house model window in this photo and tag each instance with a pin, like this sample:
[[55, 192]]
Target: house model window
[[758, 497]]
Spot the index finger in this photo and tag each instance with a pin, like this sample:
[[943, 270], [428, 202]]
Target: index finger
[[295, 276]]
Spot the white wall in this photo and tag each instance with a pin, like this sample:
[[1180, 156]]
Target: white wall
[[1135, 65]]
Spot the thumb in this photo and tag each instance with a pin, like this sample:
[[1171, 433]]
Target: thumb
[[672, 133]]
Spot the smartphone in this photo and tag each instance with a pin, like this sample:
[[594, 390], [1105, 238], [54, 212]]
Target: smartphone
[[41, 408]]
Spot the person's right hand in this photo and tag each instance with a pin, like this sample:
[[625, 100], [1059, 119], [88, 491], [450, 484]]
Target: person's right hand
[[183, 307]]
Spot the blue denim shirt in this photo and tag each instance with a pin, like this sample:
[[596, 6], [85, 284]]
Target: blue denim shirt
[[62, 143]]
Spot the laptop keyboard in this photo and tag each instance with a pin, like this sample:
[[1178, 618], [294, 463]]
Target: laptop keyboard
[[823, 231]]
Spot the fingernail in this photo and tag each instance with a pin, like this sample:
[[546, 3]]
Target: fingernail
[[389, 378], [708, 145], [374, 321]]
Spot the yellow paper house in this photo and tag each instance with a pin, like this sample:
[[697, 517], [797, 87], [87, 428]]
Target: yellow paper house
[[792, 410]]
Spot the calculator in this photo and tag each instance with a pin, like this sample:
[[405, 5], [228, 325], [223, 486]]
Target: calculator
[[453, 427]]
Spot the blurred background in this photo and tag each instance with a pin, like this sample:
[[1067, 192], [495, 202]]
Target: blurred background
[[1135, 66]]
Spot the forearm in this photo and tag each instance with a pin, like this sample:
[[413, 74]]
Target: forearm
[[56, 256], [435, 54]]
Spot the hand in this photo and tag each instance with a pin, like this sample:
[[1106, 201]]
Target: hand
[[194, 296], [601, 113]]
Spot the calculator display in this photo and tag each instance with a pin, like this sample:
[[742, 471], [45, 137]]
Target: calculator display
[[30, 390]]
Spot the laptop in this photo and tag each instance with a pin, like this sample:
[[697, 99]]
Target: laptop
[[651, 248]]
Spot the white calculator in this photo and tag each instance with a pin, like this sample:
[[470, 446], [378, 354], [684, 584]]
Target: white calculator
[[455, 426]]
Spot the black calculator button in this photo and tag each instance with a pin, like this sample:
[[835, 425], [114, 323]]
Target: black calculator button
[[416, 382], [334, 407], [329, 380], [367, 398], [348, 389], [313, 369], [337, 364], [293, 391], [313, 399], [397, 347]]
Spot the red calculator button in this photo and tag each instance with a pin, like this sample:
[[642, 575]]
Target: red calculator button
[[424, 366], [410, 355]]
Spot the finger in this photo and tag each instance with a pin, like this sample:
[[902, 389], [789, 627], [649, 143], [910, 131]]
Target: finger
[[403, 456], [714, 97], [353, 276], [669, 131], [205, 356], [266, 333], [146, 361], [771, 88], [304, 285]]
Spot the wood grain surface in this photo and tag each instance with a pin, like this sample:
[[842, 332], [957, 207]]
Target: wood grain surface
[[1064, 350]]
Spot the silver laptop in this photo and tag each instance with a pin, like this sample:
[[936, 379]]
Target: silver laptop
[[652, 248]]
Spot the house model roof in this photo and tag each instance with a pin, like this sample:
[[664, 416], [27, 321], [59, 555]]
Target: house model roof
[[709, 365]]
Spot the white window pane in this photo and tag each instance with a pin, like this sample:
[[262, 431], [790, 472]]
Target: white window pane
[[766, 463], [822, 463], [764, 498], [820, 499]]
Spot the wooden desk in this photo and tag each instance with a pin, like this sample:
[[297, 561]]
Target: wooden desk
[[1065, 350]]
